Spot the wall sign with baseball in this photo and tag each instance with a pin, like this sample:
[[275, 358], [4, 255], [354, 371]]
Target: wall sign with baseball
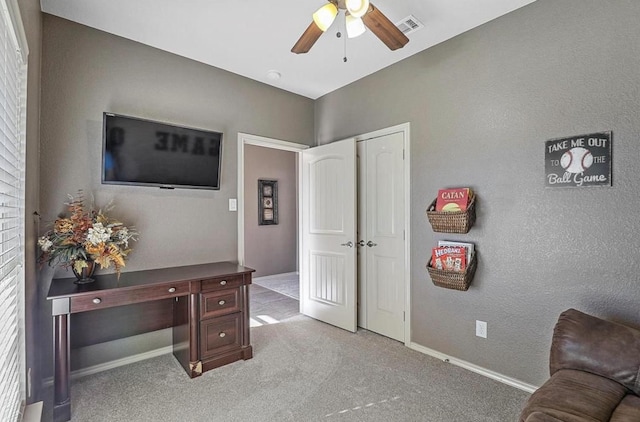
[[579, 161]]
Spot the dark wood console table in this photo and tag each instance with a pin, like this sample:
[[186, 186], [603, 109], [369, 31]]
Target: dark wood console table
[[210, 315]]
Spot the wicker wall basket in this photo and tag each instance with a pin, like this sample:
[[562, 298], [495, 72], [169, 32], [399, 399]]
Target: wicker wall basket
[[452, 222], [453, 279]]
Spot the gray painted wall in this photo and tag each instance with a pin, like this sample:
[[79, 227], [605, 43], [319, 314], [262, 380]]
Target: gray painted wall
[[86, 72], [270, 249], [481, 107]]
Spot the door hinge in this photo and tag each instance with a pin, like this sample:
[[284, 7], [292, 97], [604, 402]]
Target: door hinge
[[404, 316], [403, 154]]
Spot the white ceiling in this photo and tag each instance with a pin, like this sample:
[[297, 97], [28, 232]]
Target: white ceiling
[[252, 37]]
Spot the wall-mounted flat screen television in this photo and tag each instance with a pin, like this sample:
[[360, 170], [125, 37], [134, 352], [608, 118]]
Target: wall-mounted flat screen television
[[148, 153]]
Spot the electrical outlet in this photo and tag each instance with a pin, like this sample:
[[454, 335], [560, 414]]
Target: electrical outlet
[[481, 329], [233, 204]]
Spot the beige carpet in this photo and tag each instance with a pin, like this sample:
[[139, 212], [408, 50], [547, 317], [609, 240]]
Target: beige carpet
[[303, 370]]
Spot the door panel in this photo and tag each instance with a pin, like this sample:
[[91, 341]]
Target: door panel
[[385, 294], [326, 198], [381, 227], [328, 214], [328, 284]]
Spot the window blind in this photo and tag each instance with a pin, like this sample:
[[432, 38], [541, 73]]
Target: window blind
[[12, 165]]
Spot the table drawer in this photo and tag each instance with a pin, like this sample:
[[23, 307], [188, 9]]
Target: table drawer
[[222, 283], [220, 335], [124, 296], [219, 302]]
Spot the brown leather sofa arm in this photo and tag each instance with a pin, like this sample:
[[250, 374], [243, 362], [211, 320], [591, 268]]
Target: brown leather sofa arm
[[586, 343], [541, 417]]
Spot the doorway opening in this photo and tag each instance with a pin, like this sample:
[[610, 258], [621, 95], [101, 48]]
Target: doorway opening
[[268, 225]]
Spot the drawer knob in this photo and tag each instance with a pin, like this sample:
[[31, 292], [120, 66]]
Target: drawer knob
[[97, 300], [222, 302], [172, 289], [223, 282], [221, 335]]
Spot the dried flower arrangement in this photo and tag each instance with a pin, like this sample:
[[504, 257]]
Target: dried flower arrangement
[[86, 235]]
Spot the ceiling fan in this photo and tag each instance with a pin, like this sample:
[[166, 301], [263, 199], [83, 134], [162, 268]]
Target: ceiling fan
[[358, 14]]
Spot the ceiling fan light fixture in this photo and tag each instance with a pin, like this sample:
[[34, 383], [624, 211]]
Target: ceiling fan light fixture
[[357, 8], [325, 16], [355, 26]]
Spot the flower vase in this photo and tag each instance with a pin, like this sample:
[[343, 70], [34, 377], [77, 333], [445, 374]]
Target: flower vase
[[84, 275]]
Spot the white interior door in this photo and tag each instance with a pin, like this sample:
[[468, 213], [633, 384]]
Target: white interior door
[[381, 226], [328, 217]]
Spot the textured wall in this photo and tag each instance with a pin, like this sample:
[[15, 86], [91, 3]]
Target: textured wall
[[481, 107], [86, 72], [270, 249]]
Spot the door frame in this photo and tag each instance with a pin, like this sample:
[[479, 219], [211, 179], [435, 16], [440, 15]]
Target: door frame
[[261, 141], [405, 128]]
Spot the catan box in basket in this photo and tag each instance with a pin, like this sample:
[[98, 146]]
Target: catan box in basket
[[453, 200], [456, 218]]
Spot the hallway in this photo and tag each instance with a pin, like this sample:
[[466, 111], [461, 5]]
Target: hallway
[[273, 299]]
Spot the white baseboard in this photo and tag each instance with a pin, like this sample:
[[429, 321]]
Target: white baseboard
[[114, 364], [275, 276], [33, 412], [529, 388]]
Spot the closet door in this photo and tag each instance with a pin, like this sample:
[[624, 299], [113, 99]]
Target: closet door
[[381, 247], [328, 249]]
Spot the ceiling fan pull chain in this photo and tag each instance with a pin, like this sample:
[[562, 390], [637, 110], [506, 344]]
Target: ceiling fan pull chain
[[344, 59]]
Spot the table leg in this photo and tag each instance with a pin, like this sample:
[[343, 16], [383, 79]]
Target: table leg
[[247, 349], [61, 379], [195, 364]]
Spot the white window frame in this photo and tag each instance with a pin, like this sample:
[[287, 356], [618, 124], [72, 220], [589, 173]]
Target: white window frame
[[13, 76]]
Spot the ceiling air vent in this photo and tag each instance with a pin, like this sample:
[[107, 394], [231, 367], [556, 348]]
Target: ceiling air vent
[[409, 24]]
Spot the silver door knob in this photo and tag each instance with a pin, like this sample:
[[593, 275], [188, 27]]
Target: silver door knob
[[172, 289], [371, 244], [97, 300], [221, 335], [222, 302], [223, 282], [361, 243], [349, 244]]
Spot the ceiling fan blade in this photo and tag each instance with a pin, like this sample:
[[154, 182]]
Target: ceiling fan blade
[[384, 29], [308, 38]]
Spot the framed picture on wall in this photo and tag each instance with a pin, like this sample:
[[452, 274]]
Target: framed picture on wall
[[578, 161], [267, 202]]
